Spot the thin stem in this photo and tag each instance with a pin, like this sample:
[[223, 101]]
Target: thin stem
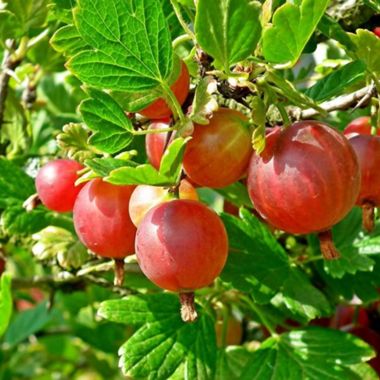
[[177, 10], [284, 115], [179, 40], [261, 316], [173, 102], [152, 131]]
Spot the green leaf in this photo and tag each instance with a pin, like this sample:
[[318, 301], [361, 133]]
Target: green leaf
[[131, 47], [291, 29], [291, 93], [347, 238], [73, 140], [8, 25], [367, 49], [58, 243], [113, 130], [301, 297], [6, 304], [16, 220], [103, 166], [364, 371], [135, 101], [67, 40], [374, 4], [15, 184], [168, 174], [164, 345], [332, 29], [335, 83], [228, 30], [29, 13], [140, 309], [362, 285], [237, 194], [309, 354], [204, 103], [231, 362], [256, 263], [259, 119], [171, 162], [27, 323]]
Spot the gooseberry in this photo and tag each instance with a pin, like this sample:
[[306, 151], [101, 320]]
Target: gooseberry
[[218, 153], [360, 125], [102, 221], [306, 180], [145, 197], [367, 149], [55, 183], [181, 246]]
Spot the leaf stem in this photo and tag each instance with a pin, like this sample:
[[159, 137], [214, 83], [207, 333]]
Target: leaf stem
[[180, 39], [261, 316], [177, 10], [173, 102]]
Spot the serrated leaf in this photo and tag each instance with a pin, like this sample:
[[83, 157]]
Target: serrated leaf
[[6, 304], [135, 101], [131, 48], [335, 83], [309, 354], [347, 238], [73, 141], [204, 103], [292, 26], [164, 345], [362, 285], [228, 30], [67, 40], [170, 169], [16, 220], [301, 297], [256, 263], [332, 29], [141, 309], [113, 130], [231, 362], [54, 242], [367, 49]]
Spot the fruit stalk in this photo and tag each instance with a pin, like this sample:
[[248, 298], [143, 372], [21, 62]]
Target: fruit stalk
[[368, 216], [188, 312], [119, 272], [327, 246]]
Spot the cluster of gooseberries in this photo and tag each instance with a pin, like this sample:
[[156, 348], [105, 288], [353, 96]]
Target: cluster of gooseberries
[[306, 180]]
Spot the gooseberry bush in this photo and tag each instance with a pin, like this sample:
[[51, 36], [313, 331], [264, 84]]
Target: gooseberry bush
[[189, 189]]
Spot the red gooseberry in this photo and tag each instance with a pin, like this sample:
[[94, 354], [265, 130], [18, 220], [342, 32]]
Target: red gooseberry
[[306, 180], [145, 197], [102, 221], [377, 31], [155, 143], [360, 125], [159, 108], [55, 183], [367, 149], [181, 246], [218, 153]]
